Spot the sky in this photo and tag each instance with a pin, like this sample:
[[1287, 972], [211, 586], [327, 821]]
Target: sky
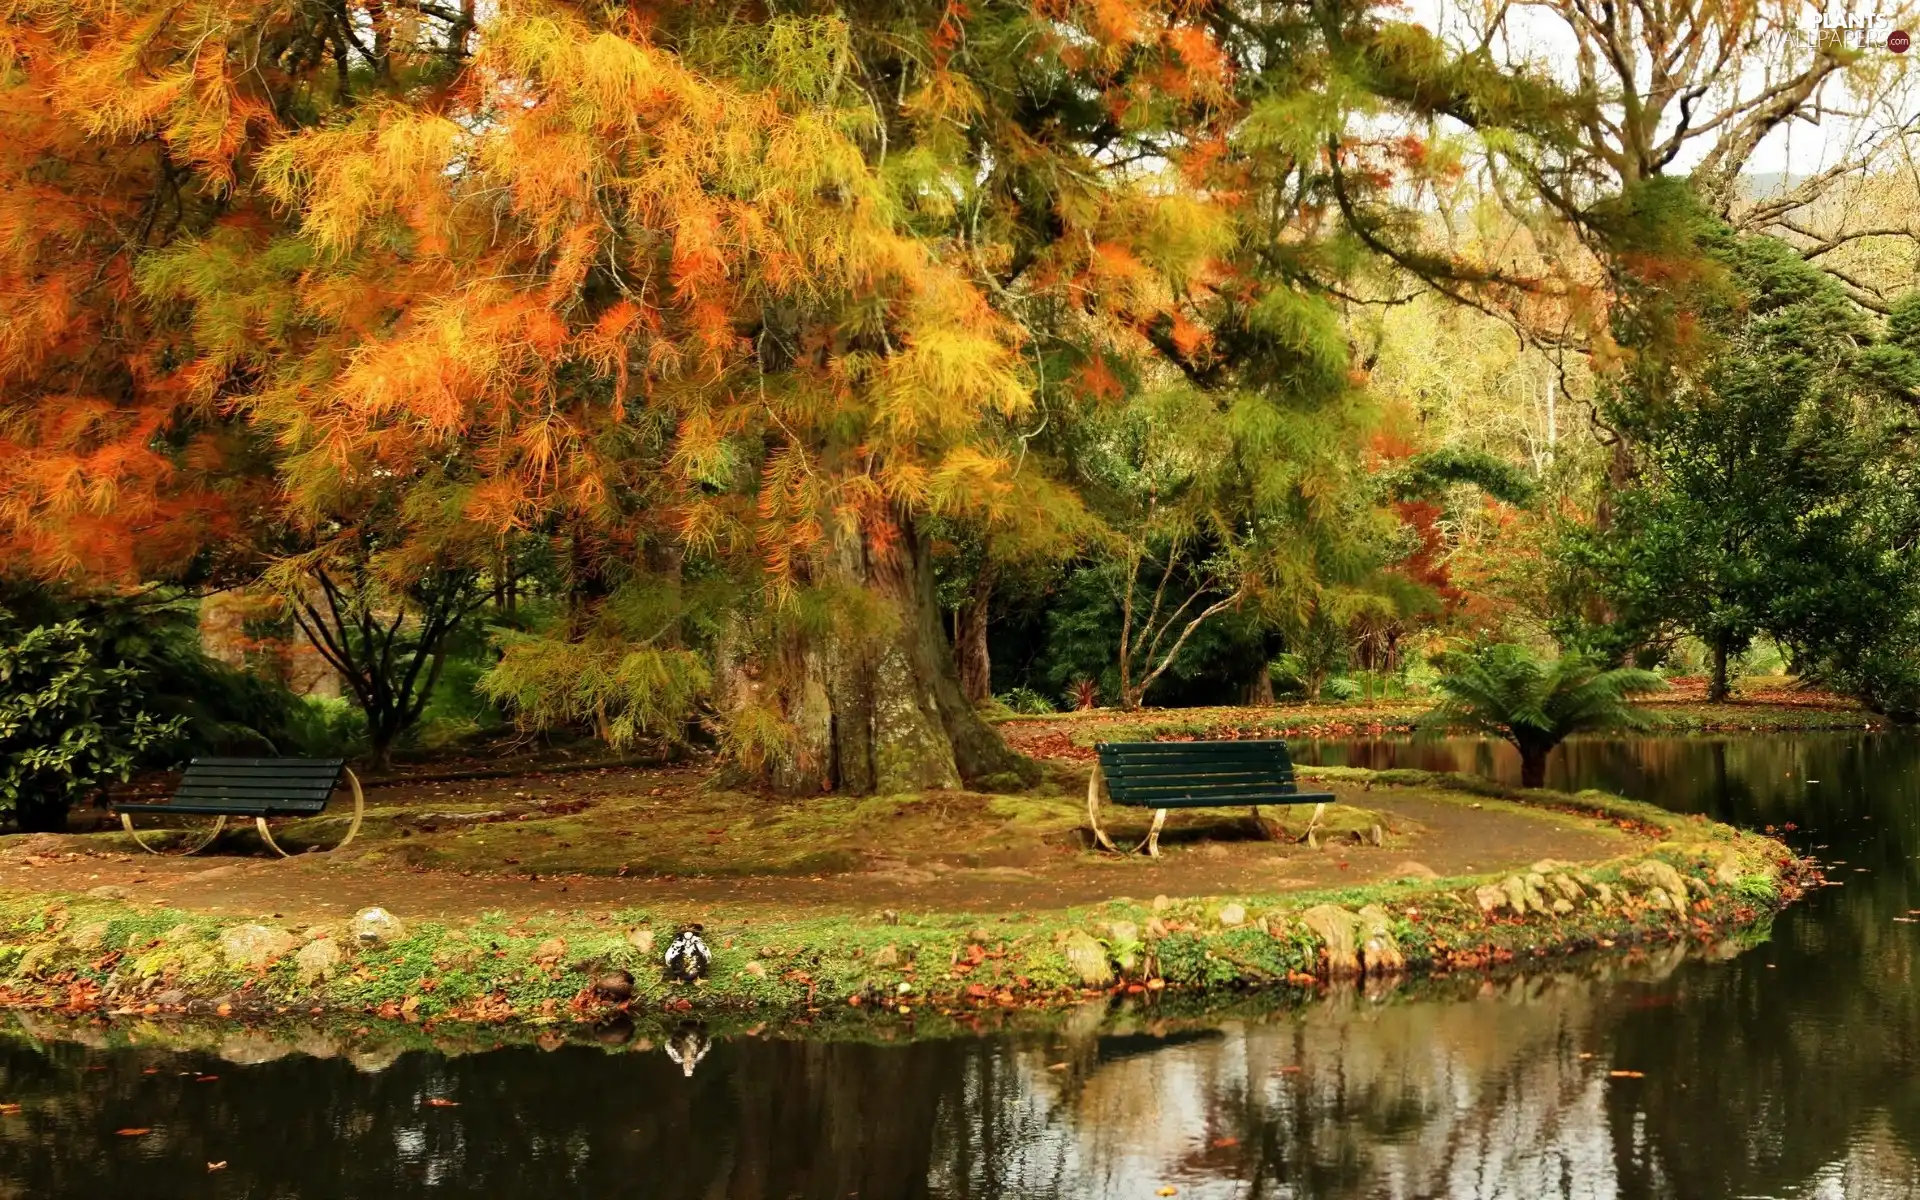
[[1799, 148]]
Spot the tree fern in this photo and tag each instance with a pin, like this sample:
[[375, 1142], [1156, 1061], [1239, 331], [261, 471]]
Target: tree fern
[[1504, 690]]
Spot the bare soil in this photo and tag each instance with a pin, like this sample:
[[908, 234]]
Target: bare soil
[[625, 838]]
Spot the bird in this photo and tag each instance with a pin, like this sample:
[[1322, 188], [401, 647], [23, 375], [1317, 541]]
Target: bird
[[688, 956]]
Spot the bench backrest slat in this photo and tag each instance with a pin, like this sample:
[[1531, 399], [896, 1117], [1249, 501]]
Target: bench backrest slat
[[252, 787], [1196, 774]]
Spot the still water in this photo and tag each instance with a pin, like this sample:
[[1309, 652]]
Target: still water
[[1791, 1069]]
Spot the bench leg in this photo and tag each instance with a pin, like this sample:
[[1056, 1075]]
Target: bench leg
[[260, 823], [359, 811], [1319, 810], [219, 823], [1153, 834], [1093, 809]]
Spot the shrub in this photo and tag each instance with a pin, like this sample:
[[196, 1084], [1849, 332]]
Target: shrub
[[1026, 700], [69, 724]]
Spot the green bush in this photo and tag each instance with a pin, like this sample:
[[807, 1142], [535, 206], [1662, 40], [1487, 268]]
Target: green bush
[[69, 724], [1026, 700]]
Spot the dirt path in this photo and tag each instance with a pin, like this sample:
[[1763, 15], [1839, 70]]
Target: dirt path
[[1436, 834]]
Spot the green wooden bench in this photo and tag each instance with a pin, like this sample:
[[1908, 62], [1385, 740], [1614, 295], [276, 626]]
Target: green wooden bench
[[1164, 775], [249, 787]]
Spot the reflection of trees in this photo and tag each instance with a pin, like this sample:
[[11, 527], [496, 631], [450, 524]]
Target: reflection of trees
[[1796, 1062]]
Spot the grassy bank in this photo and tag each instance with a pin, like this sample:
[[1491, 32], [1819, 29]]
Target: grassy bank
[[1074, 734], [1698, 880]]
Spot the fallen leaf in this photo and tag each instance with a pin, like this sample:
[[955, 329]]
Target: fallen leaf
[[205, 1078], [442, 1102], [8, 1110], [1223, 1143], [1628, 1074], [1168, 1191], [133, 1132], [1056, 1066], [219, 1166]]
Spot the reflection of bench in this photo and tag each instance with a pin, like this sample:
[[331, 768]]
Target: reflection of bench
[[250, 787], [1164, 775]]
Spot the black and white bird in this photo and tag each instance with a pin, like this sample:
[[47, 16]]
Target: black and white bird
[[687, 955]]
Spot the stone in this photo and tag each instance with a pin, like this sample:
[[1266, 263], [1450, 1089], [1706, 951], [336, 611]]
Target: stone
[[1605, 891], [756, 969], [979, 937], [1380, 952], [1516, 894], [1562, 906], [1548, 866], [1233, 915], [31, 962], [887, 956], [550, 951], [1413, 870], [1657, 873], [88, 936], [1568, 887], [617, 986], [641, 940], [1156, 928], [171, 998], [1214, 850], [108, 891], [1124, 932], [1532, 885], [252, 946], [1699, 885], [1490, 897], [316, 962], [1339, 934], [1087, 959], [1161, 904], [1727, 874], [376, 926]]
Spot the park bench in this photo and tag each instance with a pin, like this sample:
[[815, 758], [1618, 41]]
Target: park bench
[[1164, 775], [249, 787]]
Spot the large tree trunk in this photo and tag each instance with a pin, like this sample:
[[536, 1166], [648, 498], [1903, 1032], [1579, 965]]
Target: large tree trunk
[[879, 708], [970, 640], [1718, 687]]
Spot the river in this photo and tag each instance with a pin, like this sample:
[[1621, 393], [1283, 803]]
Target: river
[[1791, 1069]]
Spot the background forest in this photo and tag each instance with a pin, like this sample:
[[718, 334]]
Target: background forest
[[814, 381]]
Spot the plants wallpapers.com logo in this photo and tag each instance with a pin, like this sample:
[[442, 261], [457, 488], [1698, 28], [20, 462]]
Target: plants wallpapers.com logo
[[1863, 35]]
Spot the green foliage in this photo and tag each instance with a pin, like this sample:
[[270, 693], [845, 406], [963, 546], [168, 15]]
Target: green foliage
[[1774, 486], [1503, 690], [69, 724], [623, 677], [222, 709], [1426, 475], [1026, 701]]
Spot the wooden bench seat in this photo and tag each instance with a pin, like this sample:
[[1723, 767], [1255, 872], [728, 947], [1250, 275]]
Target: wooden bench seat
[[258, 788], [1164, 775]]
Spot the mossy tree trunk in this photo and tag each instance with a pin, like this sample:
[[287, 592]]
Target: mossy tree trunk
[[881, 709]]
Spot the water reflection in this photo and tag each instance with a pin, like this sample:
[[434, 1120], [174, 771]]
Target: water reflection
[[1787, 1070]]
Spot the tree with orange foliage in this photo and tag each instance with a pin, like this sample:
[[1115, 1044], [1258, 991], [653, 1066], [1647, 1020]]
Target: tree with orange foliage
[[736, 300]]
